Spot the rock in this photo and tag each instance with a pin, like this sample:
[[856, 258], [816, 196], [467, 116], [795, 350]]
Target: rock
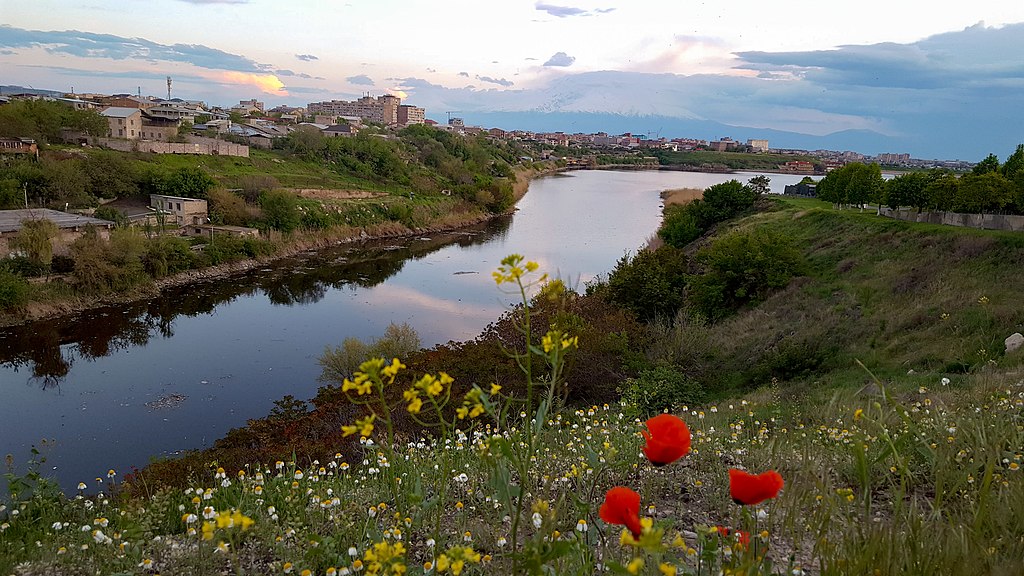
[[1013, 342]]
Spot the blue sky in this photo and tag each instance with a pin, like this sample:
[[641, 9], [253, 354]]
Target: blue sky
[[937, 79]]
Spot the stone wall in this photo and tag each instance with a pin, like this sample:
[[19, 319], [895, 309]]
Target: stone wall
[[1010, 222], [195, 145]]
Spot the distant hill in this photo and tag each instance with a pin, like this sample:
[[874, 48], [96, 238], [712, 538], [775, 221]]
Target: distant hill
[[9, 89]]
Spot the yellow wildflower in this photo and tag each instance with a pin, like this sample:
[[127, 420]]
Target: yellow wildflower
[[391, 370], [667, 569], [495, 388], [635, 566], [415, 406]]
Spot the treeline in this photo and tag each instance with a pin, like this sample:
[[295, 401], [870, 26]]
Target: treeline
[[80, 179], [44, 120], [991, 187]]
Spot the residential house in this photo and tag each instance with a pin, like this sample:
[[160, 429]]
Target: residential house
[[123, 122], [340, 131], [178, 210]]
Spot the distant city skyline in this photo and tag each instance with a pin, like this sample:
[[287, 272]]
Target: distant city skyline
[[933, 81]]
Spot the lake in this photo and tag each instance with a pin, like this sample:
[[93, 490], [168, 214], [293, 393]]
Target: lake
[[116, 386]]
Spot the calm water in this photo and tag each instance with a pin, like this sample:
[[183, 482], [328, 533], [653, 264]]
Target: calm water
[[232, 347]]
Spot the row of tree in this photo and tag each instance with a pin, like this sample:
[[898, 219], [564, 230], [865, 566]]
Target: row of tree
[[991, 187]]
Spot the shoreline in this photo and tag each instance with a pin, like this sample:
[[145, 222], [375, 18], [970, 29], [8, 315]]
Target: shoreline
[[36, 311]]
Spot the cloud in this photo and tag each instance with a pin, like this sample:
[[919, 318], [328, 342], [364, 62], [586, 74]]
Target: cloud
[[361, 79], [498, 81], [295, 74], [264, 82], [215, 1], [306, 90], [560, 59], [970, 59], [306, 57], [466, 74], [92, 45], [567, 11]]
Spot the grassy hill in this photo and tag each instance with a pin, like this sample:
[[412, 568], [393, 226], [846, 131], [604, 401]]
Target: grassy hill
[[875, 383]]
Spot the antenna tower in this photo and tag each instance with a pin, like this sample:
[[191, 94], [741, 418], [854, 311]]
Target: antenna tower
[[168, 87]]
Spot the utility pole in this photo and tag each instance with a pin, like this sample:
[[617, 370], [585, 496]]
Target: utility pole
[[24, 190]]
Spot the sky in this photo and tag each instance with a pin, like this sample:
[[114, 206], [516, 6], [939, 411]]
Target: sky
[[937, 79]]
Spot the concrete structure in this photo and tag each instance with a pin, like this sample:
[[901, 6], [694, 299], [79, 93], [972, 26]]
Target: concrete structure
[[195, 145], [69, 227], [1010, 222], [211, 230], [758, 145], [383, 109], [123, 122], [411, 115], [178, 210]]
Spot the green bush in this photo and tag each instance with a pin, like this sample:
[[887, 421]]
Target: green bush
[[650, 284], [13, 291], [659, 389], [742, 268], [680, 226]]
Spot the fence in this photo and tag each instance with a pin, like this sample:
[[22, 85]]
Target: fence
[[196, 145], [1010, 222]]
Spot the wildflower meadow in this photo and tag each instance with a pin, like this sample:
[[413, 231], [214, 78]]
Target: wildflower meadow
[[895, 478]]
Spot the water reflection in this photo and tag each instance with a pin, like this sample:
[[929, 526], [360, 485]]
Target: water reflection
[[49, 348]]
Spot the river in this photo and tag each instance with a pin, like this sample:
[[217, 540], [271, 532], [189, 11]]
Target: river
[[117, 386]]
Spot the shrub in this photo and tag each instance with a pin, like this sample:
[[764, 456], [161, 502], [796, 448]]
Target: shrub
[[13, 291], [680, 226], [740, 269], [338, 363], [661, 388], [280, 210], [650, 284]]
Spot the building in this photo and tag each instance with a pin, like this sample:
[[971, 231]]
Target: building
[[19, 146], [801, 189], [798, 166], [246, 107], [123, 122], [893, 159], [340, 131], [411, 115], [758, 145], [178, 210], [383, 109], [69, 227]]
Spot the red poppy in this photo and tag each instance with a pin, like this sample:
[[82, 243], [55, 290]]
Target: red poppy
[[622, 506], [748, 489], [741, 536], [668, 439]]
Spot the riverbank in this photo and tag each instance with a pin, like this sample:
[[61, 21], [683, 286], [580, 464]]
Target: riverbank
[[298, 244]]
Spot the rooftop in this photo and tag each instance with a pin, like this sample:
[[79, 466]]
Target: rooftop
[[10, 220], [119, 112]]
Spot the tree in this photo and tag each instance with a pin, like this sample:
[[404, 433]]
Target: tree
[[1014, 163], [989, 164], [986, 192], [907, 190], [855, 183], [280, 210], [942, 191], [760, 184], [189, 183], [35, 239]]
